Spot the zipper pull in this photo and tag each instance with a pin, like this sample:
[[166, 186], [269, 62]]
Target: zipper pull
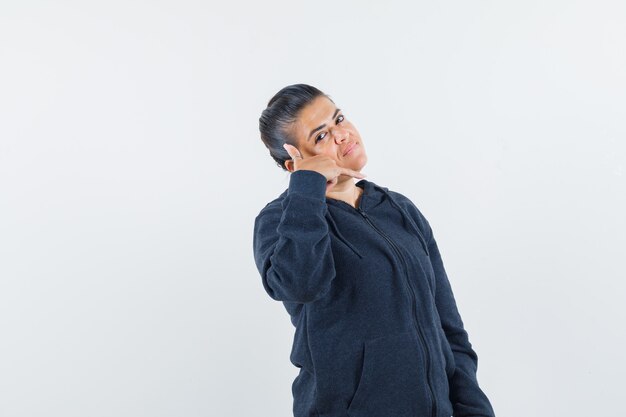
[[362, 212]]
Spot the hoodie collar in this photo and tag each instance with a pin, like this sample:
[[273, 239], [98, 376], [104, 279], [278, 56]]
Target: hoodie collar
[[373, 195]]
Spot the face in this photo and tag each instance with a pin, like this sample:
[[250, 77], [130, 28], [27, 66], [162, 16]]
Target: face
[[323, 129]]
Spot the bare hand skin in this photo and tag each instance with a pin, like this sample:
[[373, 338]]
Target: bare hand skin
[[323, 164]]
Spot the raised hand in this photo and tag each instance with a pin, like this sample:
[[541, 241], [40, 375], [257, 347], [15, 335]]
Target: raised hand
[[323, 164]]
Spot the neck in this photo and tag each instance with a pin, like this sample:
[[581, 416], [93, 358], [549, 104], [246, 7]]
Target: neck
[[345, 191]]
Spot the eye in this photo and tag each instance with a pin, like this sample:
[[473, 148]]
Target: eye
[[319, 137]]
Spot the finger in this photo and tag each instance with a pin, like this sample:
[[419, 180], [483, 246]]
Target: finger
[[286, 146], [352, 173], [292, 151]]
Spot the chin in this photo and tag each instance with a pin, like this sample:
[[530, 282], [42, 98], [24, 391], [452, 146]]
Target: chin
[[356, 164], [360, 163]]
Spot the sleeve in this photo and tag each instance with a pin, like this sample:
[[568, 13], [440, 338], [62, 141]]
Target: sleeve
[[291, 241], [466, 396], [468, 399]]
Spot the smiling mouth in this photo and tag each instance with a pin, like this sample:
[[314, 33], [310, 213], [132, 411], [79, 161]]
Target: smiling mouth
[[350, 149]]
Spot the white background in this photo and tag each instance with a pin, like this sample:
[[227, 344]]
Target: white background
[[131, 171]]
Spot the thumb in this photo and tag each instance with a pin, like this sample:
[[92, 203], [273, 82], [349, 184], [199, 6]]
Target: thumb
[[292, 151]]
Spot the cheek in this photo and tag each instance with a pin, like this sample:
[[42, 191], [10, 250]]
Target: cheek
[[331, 151], [327, 150], [315, 150]]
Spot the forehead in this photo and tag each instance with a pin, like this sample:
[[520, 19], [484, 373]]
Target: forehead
[[319, 111]]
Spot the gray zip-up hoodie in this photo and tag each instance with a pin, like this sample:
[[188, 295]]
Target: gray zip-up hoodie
[[377, 329]]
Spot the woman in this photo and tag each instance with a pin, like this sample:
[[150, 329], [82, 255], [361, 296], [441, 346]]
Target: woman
[[356, 265]]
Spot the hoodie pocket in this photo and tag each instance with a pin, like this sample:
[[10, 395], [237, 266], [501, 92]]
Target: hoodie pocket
[[392, 381]]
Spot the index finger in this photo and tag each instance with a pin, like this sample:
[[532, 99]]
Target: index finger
[[352, 173]]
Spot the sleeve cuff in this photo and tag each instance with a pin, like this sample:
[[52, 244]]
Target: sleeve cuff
[[309, 183]]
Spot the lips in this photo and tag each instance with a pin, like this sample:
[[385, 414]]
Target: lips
[[350, 147]]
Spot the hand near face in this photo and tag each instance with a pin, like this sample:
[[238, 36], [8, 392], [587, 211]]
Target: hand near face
[[323, 164]]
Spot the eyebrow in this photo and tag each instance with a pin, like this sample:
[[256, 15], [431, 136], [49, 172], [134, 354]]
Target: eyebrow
[[320, 127]]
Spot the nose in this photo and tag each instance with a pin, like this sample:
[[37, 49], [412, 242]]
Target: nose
[[340, 134]]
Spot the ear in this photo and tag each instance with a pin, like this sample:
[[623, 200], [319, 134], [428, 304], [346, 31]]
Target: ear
[[289, 165]]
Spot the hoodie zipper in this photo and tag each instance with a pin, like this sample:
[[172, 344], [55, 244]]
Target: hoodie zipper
[[423, 344]]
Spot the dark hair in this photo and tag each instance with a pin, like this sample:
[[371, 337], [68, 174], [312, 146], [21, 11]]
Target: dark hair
[[275, 123]]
